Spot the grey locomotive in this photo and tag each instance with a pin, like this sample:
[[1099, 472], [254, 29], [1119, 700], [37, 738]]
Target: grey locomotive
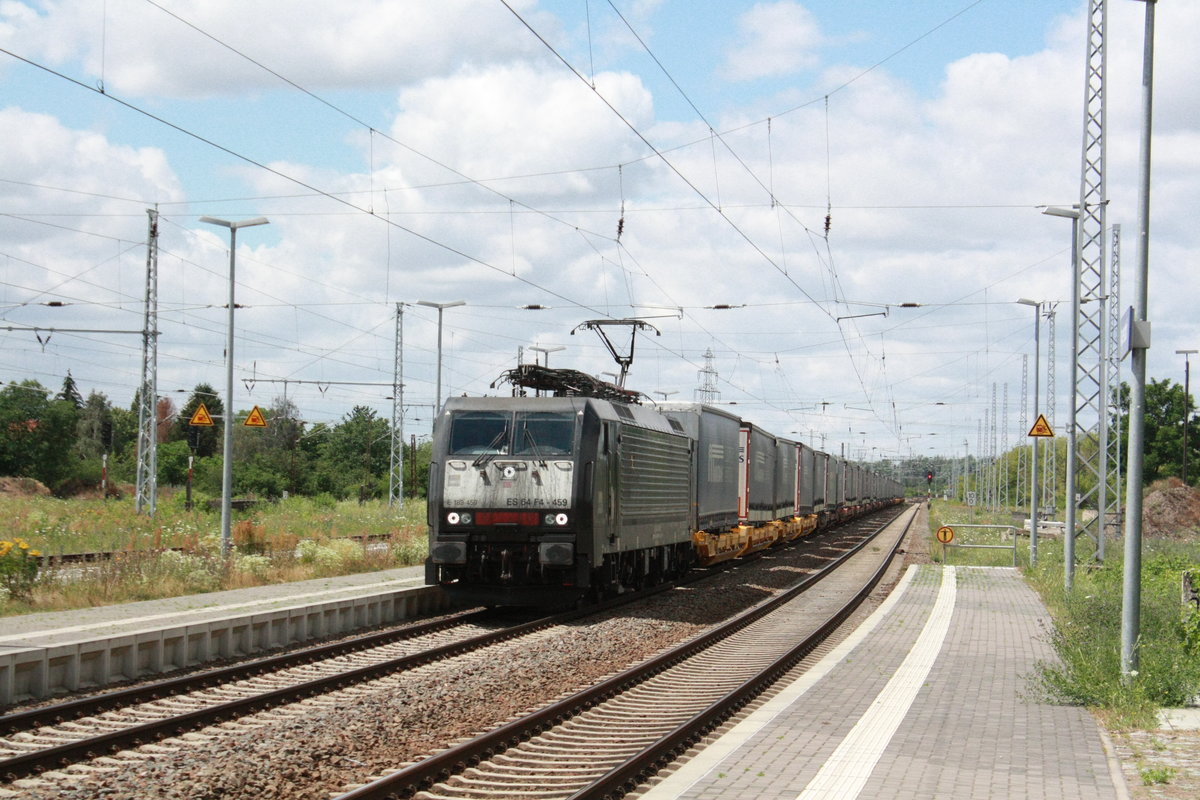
[[536, 500]]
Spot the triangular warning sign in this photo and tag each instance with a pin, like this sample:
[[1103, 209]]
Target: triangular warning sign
[[256, 419], [201, 416], [1041, 427]]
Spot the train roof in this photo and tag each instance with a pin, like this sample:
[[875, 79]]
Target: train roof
[[565, 383], [641, 416]]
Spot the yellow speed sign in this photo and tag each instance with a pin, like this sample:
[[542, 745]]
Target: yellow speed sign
[[945, 534]]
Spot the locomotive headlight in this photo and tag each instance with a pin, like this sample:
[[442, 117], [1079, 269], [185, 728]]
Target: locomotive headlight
[[561, 519], [453, 518], [465, 517], [549, 519]]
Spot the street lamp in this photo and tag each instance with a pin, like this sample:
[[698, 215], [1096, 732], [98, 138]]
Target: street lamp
[[1072, 443], [1187, 401], [1069, 553], [437, 405], [227, 447]]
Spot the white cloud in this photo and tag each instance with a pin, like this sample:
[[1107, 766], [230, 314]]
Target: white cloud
[[774, 39], [134, 48], [933, 201]]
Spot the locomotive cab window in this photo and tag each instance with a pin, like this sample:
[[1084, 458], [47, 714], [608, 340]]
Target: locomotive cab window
[[479, 432], [544, 433]]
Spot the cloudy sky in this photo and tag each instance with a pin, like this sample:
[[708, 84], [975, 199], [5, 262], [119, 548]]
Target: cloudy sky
[[810, 166]]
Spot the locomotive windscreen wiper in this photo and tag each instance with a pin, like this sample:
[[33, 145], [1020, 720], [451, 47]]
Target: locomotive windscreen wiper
[[491, 450], [537, 453]]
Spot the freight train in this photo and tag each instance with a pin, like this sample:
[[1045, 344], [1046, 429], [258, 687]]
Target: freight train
[[586, 493]]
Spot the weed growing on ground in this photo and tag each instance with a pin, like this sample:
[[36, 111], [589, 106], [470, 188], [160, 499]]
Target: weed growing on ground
[[18, 568], [179, 551], [1087, 635], [1153, 775]]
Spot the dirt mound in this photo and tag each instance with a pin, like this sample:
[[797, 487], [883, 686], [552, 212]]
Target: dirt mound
[[23, 487], [1171, 510]]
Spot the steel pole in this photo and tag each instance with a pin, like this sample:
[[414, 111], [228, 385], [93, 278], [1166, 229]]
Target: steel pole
[[1033, 478], [227, 445], [1131, 595], [1187, 400]]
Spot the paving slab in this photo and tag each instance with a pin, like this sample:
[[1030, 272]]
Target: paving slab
[[927, 699]]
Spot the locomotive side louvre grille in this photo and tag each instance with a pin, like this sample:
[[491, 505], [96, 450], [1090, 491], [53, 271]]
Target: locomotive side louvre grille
[[622, 411], [654, 475]]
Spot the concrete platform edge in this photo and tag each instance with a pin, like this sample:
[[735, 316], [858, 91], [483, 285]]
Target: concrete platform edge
[[36, 672]]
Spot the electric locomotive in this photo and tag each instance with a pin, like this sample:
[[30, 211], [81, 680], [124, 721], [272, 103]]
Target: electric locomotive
[[542, 500]]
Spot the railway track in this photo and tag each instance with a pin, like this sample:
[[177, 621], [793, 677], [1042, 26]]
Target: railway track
[[606, 740], [55, 736], [50, 738]]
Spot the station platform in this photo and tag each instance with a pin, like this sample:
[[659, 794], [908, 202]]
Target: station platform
[[43, 655], [927, 699]]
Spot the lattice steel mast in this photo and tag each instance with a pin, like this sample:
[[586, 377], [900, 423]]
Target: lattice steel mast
[[147, 441], [396, 474], [1114, 376], [707, 392], [1088, 434]]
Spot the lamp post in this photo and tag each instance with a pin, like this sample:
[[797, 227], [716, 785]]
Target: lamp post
[[227, 447], [1187, 402], [1072, 453], [1069, 554], [437, 404]]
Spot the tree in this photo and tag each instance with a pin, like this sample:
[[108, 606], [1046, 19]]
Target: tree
[[268, 460], [1167, 405], [172, 460], [205, 441], [70, 392], [37, 433], [94, 431], [355, 454]]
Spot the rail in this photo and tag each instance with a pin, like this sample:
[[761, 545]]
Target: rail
[[954, 526]]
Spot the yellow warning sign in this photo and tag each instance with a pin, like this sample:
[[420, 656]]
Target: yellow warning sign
[[256, 419], [201, 416], [945, 534], [1041, 427]]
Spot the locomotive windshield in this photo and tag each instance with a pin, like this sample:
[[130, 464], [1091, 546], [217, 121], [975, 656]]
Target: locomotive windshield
[[478, 432], [534, 434], [544, 433]]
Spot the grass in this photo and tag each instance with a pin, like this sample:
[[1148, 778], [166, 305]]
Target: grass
[[958, 517], [179, 552], [1087, 623]]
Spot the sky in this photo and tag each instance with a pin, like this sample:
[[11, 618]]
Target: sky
[[766, 184]]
